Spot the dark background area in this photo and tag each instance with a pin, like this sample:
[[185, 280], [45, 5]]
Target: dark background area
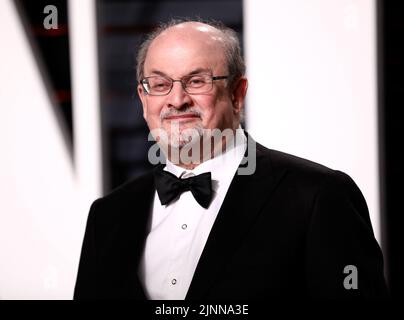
[[391, 134], [121, 25]]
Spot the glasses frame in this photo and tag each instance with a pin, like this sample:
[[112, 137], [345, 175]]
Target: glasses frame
[[143, 82]]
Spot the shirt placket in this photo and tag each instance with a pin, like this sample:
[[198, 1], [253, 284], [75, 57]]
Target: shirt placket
[[179, 261]]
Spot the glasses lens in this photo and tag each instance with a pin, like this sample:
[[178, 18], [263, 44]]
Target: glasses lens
[[198, 83], [157, 85], [194, 84]]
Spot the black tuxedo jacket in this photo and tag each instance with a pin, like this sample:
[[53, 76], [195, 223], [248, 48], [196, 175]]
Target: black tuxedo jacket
[[287, 231]]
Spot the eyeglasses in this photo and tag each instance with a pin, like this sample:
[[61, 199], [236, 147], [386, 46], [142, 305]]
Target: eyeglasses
[[192, 84]]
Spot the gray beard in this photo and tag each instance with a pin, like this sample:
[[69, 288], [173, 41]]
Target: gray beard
[[186, 137]]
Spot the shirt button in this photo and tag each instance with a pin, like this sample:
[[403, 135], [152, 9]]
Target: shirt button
[[184, 226], [174, 281]]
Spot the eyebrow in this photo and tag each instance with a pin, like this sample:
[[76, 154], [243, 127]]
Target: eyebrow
[[195, 71]]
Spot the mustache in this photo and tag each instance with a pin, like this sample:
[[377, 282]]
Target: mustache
[[175, 112]]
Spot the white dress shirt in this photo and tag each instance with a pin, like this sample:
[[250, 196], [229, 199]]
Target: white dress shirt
[[179, 230]]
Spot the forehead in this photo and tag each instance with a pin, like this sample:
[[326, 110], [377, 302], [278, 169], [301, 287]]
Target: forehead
[[185, 47]]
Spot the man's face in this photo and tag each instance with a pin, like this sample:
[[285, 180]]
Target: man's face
[[181, 51]]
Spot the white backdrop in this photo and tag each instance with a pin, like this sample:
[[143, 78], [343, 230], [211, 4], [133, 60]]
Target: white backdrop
[[312, 92], [45, 196]]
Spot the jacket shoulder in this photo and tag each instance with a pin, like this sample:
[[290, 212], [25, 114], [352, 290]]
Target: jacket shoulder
[[130, 187], [302, 173], [133, 194]]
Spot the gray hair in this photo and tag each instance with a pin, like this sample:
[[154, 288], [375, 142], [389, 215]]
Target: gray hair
[[235, 62]]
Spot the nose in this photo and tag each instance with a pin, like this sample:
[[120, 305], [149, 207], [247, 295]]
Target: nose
[[178, 98]]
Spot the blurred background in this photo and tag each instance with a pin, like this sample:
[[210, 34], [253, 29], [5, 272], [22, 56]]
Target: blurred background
[[325, 83]]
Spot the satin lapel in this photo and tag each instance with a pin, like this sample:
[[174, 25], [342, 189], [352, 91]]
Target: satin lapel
[[241, 207], [134, 214]]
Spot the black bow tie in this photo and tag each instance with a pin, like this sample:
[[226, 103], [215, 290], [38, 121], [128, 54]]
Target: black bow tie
[[169, 187]]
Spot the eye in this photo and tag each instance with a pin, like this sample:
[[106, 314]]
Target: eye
[[159, 84], [197, 81]]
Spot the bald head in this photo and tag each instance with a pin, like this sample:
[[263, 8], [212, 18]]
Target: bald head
[[206, 36], [190, 28], [180, 34], [185, 47]]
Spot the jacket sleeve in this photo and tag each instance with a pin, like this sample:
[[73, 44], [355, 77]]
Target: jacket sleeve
[[86, 278], [343, 258]]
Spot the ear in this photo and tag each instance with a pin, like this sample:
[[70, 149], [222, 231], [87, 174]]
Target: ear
[[143, 98], [238, 93]]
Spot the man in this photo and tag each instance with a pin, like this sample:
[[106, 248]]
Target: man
[[196, 228]]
